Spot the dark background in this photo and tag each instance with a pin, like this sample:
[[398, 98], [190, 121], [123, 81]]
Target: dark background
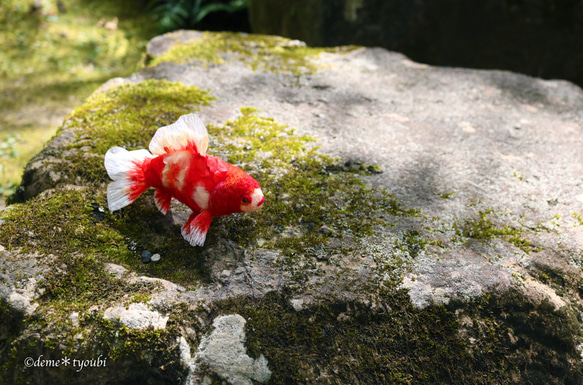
[[542, 38]]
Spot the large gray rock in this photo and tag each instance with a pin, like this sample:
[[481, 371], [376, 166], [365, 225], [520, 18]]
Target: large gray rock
[[441, 243]]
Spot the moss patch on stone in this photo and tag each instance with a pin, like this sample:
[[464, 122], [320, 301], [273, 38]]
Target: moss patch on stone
[[127, 355], [484, 228], [479, 342], [258, 52], [65, 223], [310, 198], [130, 114], [61, 222]]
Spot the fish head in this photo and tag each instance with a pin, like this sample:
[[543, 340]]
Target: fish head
[[238, 193], [251, 200]]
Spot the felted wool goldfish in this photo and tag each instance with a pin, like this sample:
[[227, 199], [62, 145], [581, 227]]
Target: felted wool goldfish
[[177, 166]]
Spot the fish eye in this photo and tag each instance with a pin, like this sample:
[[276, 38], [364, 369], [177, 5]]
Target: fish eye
[[246, 199]]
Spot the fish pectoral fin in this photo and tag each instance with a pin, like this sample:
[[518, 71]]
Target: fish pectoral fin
[[162, 200], [196, 228]]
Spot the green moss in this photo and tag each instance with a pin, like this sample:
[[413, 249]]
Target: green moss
[[141, 298], [76, 281], [493, 339], [483, 228], [72, 226], [68, 224], [310, 197], [128, 355], [117, 341], [259, 52], [447, 195], [62, 223], [395, 345], [412, 242], [130, 114]]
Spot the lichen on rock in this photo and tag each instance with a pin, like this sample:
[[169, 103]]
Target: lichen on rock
[[224, 353]]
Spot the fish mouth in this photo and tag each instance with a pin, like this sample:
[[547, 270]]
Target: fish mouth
[[261, 202]]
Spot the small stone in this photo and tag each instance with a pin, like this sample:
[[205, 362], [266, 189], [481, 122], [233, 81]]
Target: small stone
[[326, 230], [146, 256], [155, 257], [98, 212], [74, 318], [114, 270], [225, 274], [297, 304]]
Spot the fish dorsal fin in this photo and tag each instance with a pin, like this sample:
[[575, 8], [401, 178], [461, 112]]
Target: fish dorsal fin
[[187, 130]]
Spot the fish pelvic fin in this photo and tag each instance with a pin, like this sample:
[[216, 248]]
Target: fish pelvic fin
[[197, 227], [188, 130], [126, 170], [162, 200]]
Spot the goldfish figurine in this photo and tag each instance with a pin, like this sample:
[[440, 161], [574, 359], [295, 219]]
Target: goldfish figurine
[[177, 166]]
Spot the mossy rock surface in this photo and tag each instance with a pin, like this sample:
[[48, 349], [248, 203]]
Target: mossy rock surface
[[421, 225]]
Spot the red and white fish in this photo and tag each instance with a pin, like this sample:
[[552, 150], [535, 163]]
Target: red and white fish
[[177, 166]]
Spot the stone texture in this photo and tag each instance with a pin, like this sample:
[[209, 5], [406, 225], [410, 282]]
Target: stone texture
[[492, 139], [474, 151], [136, 316], [19, 275]]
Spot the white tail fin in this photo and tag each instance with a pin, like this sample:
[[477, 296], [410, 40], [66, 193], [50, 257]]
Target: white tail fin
[[124, 167], [188, 129]]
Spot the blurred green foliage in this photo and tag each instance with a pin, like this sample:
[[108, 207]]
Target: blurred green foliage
[[7, 151], [182, 14], [53, 54]]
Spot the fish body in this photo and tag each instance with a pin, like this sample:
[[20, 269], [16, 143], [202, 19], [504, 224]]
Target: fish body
[[177, 166]]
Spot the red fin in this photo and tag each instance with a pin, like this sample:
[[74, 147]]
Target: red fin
[[162, 200], [196, 228]]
